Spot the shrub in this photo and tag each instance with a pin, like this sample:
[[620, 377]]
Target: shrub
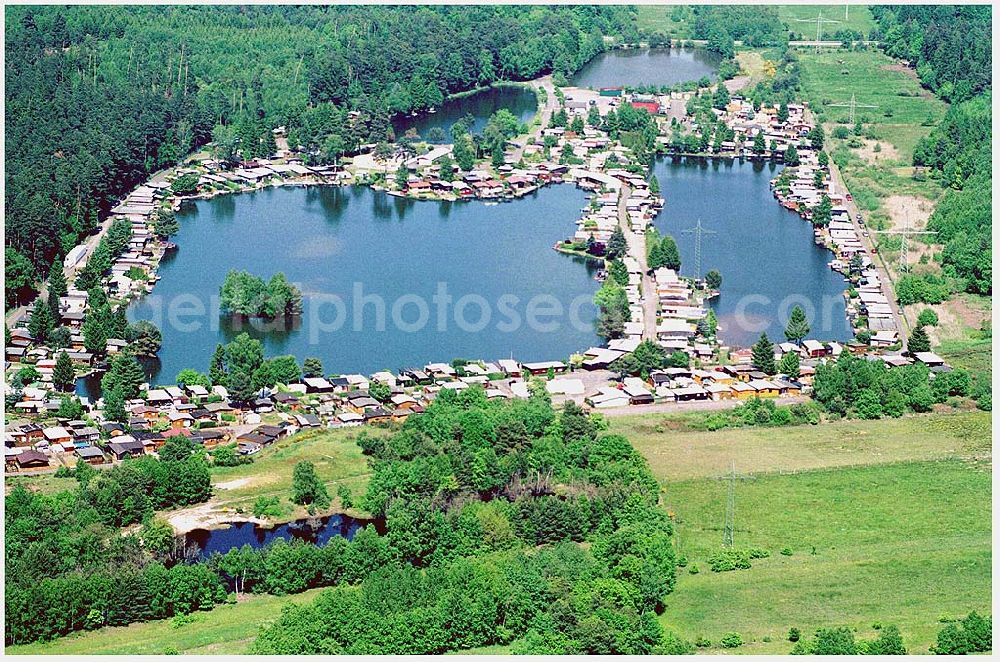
[[786, 551], [794, 634], [694, 569], [927, 317], [731, 640], [702, 642]]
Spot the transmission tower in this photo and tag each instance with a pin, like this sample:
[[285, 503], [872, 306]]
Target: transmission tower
[[698, 231], [852, 104], [905, 235], [819, 25], [727, 536]]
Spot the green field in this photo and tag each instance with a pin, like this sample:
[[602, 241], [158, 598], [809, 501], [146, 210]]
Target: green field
[[832, 76], [802, 18], [676, 453], [903, 544], [226, 630], [660, 18]]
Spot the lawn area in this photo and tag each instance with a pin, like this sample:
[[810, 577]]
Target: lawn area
[[335, 453], [801, 19], [832, 76], [661, 18], [903, 543], [227, 629], [681, 455]]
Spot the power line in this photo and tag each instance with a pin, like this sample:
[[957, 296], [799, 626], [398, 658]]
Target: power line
[[852, 104], [819, 25], [698, 231]]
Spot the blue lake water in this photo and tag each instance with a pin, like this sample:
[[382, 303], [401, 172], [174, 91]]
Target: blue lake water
[[388, 283], [318, 531], [520, 101], [646, 66], [765, 253]]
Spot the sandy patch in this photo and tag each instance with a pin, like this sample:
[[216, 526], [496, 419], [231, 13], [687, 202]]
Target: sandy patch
[[233, 484], [206, 516], [886, 151], [956, 318], [908, 210]]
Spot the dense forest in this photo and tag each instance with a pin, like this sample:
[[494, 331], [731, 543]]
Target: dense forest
[[100, 97], [502, 523], [950, 48], [950, 45]]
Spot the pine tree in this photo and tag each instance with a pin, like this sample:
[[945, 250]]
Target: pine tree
[[56, 288], [312, 367], [759, 145], [919, 341], [125, 374], [63, 375], [669, 253], [114, 406], [762, 355], [654, 185], [798, 326], [617, 245], [791, 156], [40, 325], [789, 365], [217, 368], [402, 177]]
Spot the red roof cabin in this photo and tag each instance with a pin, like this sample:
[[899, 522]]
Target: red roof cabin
[[649, 106]]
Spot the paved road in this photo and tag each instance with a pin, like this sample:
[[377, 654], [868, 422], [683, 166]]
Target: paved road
[[637, 249], [551, 105]]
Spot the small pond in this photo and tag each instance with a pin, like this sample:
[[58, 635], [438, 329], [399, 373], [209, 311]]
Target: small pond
[[318, 531], [646, 66]]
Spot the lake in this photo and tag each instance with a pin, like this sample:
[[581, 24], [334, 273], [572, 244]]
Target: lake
[[520, 101], [318, 532], [765, 253], [646, 66], [388, 282]]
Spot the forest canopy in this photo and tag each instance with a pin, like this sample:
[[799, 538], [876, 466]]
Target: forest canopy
[[100, 97]]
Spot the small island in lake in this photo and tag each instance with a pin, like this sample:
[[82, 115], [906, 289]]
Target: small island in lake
[[245, 294]]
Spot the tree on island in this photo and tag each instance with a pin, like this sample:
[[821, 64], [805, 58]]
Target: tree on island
[[654, 185], [713, 280], [244, 294], [762, 355], [662, 252], [798, 326]]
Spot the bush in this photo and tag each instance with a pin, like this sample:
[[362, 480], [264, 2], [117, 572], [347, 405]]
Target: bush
[[267, 507], [794, 634], [731, 640], [702, 642], [927, 317], [694, 569], [786, 551]]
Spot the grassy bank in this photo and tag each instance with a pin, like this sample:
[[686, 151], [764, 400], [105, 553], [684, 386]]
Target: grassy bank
[[335, 454], [226, 630], [904, 543]]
